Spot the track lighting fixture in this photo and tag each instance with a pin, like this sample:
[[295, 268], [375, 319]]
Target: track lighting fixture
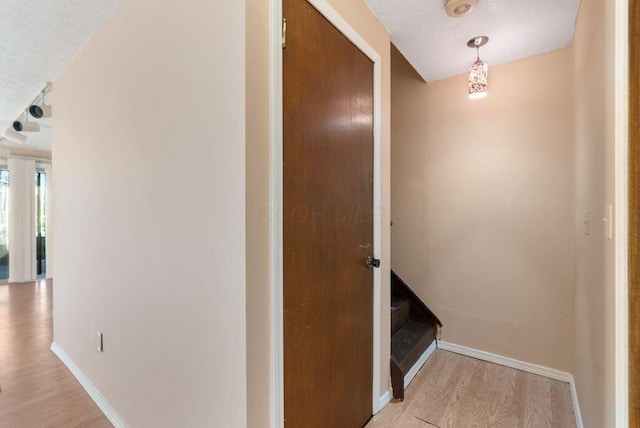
[[25, 126], [14, 137], [39, 109]]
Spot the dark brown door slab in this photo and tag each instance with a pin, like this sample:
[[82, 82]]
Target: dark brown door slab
[[328, 224]]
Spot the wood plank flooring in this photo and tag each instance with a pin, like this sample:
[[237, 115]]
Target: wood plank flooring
[[453, 391], [36, 389]]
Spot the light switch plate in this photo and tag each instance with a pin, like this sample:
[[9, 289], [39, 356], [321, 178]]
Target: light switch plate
[[99, 341], [608, 222]]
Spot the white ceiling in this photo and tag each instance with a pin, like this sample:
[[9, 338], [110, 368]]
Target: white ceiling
[[436, 45], [38, 38]]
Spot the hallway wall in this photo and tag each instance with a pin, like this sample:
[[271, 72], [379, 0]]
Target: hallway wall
[[258, 258], [482, 204], [149, 152], [594, 363]]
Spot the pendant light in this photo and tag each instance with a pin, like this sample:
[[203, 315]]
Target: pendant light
[[478, 71]]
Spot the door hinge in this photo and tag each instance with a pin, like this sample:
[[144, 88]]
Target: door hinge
[[284, 33]]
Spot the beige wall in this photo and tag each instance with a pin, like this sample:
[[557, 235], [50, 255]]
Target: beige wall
[[496, 243], [257, 161], [482, 205], [149, 150], [258, 214], [594, 254]]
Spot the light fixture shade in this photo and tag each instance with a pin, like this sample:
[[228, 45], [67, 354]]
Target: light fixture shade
[[14, 137], [40, 111], [478, 80], [25, 126]]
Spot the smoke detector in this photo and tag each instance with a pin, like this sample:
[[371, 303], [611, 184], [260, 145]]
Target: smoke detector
[[458, 8]]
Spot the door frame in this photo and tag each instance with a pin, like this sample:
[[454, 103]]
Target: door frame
[[276, 201], [621, 210]]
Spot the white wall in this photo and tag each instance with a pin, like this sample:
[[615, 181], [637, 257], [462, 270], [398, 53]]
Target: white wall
[[149, 212], [482, 204]]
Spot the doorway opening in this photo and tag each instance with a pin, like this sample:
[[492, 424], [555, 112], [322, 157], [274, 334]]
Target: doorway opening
[[380, 395], [4, 223], [41, 223]]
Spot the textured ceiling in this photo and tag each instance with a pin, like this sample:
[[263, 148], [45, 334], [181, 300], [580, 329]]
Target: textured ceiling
[[436, 45], [38, 38]]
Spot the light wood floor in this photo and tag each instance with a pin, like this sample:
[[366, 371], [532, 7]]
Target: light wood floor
[[454, 391], [36, 389]]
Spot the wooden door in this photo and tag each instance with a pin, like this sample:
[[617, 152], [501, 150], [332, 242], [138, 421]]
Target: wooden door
[[634, 215], [328, 224]]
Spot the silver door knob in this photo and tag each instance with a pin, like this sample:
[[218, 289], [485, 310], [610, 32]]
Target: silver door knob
[[372, 262]]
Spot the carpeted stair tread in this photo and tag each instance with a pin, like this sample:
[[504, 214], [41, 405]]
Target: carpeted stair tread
[[410, 342]]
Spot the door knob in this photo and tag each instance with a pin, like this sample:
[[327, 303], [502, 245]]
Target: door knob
[[373, 263]]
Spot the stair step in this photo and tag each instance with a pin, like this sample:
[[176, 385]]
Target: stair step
[[399, 313], [409, 343]]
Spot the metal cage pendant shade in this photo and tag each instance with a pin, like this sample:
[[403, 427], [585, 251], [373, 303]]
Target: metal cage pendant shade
[[479, 71]]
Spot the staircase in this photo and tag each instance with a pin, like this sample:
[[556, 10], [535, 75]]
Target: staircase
[[414, 328]]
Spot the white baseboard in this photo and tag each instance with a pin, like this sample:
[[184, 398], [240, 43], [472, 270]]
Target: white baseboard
[[519, 365], [93, 392], [576, 406], [418, 365], [384, 400], [506, 361]]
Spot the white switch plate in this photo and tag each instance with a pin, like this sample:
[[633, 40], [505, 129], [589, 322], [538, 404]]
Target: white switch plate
[[99, 341]]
